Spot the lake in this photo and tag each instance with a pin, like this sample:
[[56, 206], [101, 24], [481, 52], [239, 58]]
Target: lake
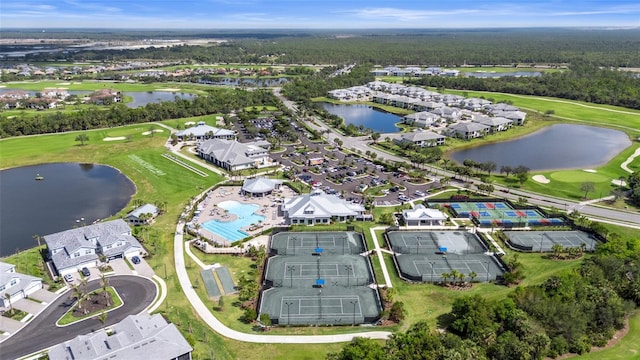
[[69, 192], [560, 146], [369, 117], [502, 74]]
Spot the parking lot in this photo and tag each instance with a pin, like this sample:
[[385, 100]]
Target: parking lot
[[347, 175]]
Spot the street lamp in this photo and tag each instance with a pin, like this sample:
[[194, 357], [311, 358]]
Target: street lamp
[[288, 303], [348, 268], [354, 302], [291, 268]]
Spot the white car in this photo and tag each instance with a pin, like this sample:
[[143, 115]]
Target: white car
[[419, 193], [68, 278]]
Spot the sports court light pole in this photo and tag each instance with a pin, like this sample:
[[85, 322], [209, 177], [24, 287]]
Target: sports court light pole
[[348, 268], [487, 262], [418, 243], [432, 263], [354, 302], [294, 238], [291, 268], [288, 303], [541, 235]]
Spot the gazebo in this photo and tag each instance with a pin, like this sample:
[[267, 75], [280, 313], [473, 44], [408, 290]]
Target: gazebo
[[260, 186]]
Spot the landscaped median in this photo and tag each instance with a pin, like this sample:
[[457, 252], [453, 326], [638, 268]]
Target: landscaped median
[[92, 305]]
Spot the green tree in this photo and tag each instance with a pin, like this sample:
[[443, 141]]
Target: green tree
[[360, 349], [82, 138], [587, 187]]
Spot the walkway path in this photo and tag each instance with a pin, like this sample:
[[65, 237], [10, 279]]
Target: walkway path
[[625, 164], [207, 316], [378, 250]]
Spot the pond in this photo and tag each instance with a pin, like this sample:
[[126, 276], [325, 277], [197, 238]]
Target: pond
[[68, 193], [140, 98], [144, 98], [365, 115], [560, 146]]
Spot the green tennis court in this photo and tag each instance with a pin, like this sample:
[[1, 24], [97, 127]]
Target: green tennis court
[[544, 241]]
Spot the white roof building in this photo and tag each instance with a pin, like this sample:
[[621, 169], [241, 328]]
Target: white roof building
[[320, 208], [136, 216], [202, 131], [260, 186], [423, 216], [232, 155]]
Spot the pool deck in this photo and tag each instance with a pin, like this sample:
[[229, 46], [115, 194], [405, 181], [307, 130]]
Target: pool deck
[[210, 211]]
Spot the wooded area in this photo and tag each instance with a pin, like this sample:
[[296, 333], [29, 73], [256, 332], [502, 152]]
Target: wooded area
[[445, 47]]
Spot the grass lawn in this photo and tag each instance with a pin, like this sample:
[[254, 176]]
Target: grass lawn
[[97, 85], [578, 176], [626, 348]]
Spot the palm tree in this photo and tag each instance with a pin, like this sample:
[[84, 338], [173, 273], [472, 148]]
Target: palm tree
[[445, 276], [8, 297], [83, 283], [472, 275], [78, 294], [102, 317]]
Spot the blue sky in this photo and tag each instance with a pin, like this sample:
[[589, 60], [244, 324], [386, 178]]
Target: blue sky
[[331, 14]]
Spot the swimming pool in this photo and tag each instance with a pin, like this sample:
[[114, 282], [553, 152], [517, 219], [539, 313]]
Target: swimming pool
[[231, 230]]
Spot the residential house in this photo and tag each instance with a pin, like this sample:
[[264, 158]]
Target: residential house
[[16, 285], [140, 336], [73, 249], [495, 124], [320, 208], [468, 131], [423, 216], [232, 155], [203, 131], [449, 113], [518, 117], [105, 97], [422, 119], [142, 215], [422, 138]]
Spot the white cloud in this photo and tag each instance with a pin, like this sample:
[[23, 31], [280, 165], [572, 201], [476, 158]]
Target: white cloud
[[406, 14]]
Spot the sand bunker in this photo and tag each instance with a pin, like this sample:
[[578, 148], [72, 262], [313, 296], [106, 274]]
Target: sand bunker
[[190, 123], [169, 89], [617, 182], [541, 179], [589, 170], [114, 138], [149, 132], [64, 83]]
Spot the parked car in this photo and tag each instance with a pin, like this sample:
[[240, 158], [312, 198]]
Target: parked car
[[68, 278], [419, 193], [85, 272], [135, 260]]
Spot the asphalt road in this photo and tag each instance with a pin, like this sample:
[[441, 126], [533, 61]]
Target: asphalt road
[[137, 294]]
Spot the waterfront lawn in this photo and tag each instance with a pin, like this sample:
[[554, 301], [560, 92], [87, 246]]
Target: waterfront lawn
[[181, 122]]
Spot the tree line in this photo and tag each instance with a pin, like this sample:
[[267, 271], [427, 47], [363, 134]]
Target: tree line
[[217, 101], [568, 312], [448, 47]]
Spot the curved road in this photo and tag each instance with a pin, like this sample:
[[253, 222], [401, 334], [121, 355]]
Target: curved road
[[137, 294]]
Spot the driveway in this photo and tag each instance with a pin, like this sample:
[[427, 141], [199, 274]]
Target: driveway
[[9, 326], [29, 306], [120, 267], [43, 295], [41, 332], [143, 268]]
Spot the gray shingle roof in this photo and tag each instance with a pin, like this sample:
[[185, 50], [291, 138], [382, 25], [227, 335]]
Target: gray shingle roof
[[319, 205], [230, 151], [136, 337], [202, 130]]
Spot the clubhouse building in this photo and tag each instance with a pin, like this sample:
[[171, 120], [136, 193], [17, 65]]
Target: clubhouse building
[[320, 208]]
